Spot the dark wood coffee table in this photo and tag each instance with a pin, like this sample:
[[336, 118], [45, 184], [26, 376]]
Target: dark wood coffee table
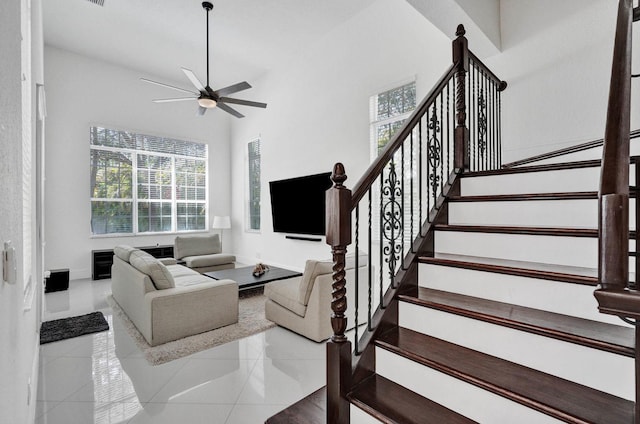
[[245, 279]]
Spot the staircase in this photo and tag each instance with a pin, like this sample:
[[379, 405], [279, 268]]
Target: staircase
[[504, 327], [495, 292]]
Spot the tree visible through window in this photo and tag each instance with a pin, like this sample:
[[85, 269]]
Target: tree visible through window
[[254, 185], [146, 184], [389, 110]]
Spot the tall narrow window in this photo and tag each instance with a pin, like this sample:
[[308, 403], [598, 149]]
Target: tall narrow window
[[146, 184], [253, 207], [388, 111]]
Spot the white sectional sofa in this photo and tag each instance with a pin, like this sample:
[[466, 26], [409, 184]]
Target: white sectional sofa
[[169, 302]]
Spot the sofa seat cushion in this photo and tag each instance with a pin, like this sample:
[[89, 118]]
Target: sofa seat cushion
[[147, 264], [190, 280], [208, 260], [285, 293], [178, 271], [195, 245]]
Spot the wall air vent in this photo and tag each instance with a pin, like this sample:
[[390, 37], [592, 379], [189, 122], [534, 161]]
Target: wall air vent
[[98, 2]]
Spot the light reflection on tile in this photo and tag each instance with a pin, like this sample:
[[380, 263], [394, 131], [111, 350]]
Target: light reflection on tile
[[104, 378]]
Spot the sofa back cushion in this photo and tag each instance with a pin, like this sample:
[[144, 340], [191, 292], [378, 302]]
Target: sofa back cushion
[[196, 245], [123, 251], [313, 269], [156, 270]]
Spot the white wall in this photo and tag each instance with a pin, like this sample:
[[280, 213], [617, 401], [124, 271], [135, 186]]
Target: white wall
[[557, 61], [19, 313], [318, 112], [82, 92]]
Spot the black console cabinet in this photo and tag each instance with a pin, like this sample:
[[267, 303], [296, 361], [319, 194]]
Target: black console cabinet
[[101, 260]]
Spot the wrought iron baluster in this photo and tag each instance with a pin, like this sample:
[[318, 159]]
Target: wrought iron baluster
[[499, 129], [404, 206], [482, 121], [392, 226], [370, 262], [382, 305], [412, 158], [427, 180], [356, 279], [448, 133], [420, 176], [434, 150], [440, 155]]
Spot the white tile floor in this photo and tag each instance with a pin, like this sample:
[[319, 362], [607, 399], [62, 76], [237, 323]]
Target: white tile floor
[[103, 378]]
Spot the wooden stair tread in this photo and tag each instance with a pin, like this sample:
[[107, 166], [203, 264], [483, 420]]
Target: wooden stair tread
[[391, 403], [598, 335], [535, 231], [562, 269], [309, 410], [535, 168], [559, 398], [576, 195], [510, 270]]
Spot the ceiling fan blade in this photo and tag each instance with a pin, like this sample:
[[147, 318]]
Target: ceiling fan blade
[[161, 84], [242, 102], [194, 80], [233, 88], [201, 111], [230, 110], [177, 99]]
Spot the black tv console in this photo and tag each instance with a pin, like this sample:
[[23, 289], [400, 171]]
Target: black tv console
[[101, 260]]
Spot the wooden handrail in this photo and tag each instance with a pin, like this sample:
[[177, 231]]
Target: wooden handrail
[[502, 85], [565, 151], [613, 263], [373, 171]]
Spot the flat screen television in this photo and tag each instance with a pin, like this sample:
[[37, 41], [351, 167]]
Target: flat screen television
[[298, 204]]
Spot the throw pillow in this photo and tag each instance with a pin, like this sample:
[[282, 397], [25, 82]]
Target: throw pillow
[[156, 270], [123, 251]]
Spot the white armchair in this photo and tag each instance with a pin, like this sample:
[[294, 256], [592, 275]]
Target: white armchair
[[303, 304]]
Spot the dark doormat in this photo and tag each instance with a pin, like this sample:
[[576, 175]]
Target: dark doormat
[[66, 328]]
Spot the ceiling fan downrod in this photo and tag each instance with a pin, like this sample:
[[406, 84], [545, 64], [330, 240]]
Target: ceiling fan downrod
[[208, 6]]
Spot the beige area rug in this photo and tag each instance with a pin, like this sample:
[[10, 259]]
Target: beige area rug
[[251, 320]]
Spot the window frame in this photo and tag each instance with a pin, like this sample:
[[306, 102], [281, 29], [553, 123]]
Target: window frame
[[248, 192], [133, 200]]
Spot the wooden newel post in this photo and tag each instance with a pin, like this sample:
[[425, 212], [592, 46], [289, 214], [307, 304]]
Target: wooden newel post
[[461, 132], [338, 210]]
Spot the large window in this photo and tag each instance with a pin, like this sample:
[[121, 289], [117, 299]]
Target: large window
[[146, 184], [253, 201], [389, 110]]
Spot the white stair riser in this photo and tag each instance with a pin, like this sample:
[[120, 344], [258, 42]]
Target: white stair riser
[[466, 399], [564, 298], [580, 213], [558, 181], [556, 250], [566, 360]]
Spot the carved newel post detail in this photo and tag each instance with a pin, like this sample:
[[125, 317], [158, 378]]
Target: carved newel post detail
[[461, 132], [338, 213]]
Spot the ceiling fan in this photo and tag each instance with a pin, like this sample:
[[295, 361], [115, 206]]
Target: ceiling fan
[[206, 97]]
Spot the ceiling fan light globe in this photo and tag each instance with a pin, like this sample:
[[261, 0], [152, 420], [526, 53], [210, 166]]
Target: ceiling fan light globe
[[207, 103]]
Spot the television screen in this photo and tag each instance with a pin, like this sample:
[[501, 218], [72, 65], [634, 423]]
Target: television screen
[[298, 204]]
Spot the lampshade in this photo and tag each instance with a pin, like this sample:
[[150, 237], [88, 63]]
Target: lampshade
[[221, 222]]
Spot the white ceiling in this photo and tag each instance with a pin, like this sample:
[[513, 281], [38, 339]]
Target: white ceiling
[[157, 37]]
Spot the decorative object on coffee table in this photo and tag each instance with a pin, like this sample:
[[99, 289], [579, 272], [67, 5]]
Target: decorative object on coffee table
[[260, 269]]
